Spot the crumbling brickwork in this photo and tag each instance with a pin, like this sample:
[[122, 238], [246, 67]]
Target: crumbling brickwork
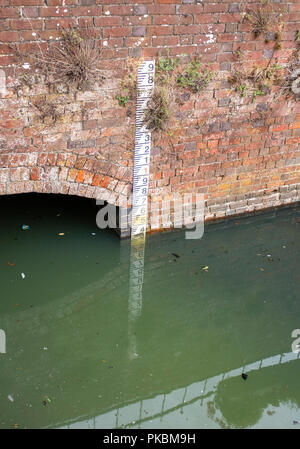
[[242, 154]]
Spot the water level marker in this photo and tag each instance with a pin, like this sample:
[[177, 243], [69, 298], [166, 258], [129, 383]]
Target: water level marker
[[139, 212]]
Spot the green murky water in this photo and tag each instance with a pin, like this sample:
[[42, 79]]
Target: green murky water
[[69, 360]]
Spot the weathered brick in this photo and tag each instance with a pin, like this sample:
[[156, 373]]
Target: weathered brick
[[232, 149], [9, 12], [81, 143], [139, 31], [140, 10], [116, 32], [35, 174]]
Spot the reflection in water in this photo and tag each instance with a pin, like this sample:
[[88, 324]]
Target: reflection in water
[[205, 392], [169, 354], [136, 279]]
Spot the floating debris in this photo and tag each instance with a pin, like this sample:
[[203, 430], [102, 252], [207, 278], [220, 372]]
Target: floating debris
[[244, 376], [175, 255], [23, 275], [10, 398], [205, 268], [10, 264], [25, 227], [46, 400], [61, 233]]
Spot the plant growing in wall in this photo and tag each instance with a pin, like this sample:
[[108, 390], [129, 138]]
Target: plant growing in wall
[[258, 81], [260, 19], [158, 111], [128, 87], [297, 39], [175, 81], [73, 63], [194, 77], [48, 111], [265, 18], [290, 82], [255, 82], [166, 67], [172, 77]]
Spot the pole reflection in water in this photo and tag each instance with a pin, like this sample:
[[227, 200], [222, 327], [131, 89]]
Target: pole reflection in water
[[135, 301]]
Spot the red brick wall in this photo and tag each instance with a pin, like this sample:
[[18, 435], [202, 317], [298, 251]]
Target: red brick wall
[[242, 155]]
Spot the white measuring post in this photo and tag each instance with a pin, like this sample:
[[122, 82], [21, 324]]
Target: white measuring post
[[145, 78], [139, 212]]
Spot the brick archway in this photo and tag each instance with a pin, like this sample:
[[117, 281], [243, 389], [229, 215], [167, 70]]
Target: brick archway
[[63, 173]]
